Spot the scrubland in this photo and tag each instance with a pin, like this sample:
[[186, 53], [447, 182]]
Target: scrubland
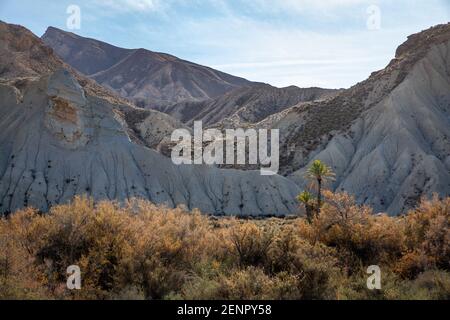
[[143, 251]]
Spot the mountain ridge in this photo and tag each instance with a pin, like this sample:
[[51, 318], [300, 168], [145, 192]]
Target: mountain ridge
[[387, 137], [163, 79], [246, 105], [60, 139]]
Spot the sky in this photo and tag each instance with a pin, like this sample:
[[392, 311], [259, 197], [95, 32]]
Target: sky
[[324, 43]]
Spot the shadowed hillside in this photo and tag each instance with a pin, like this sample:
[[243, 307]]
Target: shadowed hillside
[[149, 79]]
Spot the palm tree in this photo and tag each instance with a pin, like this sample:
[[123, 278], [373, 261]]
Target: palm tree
[[320, 173], [307, 199]]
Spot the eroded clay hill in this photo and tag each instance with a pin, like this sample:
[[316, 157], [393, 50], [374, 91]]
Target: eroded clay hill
[[387, 138], [60, 138]]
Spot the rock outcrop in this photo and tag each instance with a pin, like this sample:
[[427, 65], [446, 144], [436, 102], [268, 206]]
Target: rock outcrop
[[246, 105], [184, 90], [387, 138], [60, 139]]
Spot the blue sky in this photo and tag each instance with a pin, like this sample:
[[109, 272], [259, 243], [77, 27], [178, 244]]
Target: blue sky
[[324, 43]]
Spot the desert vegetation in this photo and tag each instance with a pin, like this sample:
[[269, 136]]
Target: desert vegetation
[[142, 251], [318, 174]]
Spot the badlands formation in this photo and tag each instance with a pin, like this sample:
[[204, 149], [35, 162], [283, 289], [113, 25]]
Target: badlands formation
[[62, 136], [245, 105], [387, 138], [182, 89]]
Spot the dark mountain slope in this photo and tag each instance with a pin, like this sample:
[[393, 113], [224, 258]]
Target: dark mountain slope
[[149, 79], [245, 105]]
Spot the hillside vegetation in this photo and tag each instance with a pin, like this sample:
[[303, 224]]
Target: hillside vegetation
[[142, 251]]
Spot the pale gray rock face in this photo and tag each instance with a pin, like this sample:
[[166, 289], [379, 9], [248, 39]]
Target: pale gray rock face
[[397, 149], [156, 129], [58, 142], [65, 116], [387, 138]]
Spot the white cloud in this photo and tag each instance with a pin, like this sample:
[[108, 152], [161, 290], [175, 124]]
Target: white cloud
[[282, 55], [231, 36], [288, 62], [301, 6], [130, 5]]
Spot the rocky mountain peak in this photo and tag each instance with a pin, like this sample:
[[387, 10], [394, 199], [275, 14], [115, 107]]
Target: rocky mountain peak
[[23, 54], [421, 42], [388, 137], [149, 79]]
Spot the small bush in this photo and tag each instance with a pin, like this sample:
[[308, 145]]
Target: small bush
[[360, 237], [427, 238], [251, 244]]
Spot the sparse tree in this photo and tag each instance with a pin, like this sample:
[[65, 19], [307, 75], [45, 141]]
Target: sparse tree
[[319, 172], [306, 198]]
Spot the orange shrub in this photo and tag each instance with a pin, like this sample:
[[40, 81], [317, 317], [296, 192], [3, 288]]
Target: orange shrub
[[251, 243], [20, 277], [427, 238], [360, 237], [142, 251]]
